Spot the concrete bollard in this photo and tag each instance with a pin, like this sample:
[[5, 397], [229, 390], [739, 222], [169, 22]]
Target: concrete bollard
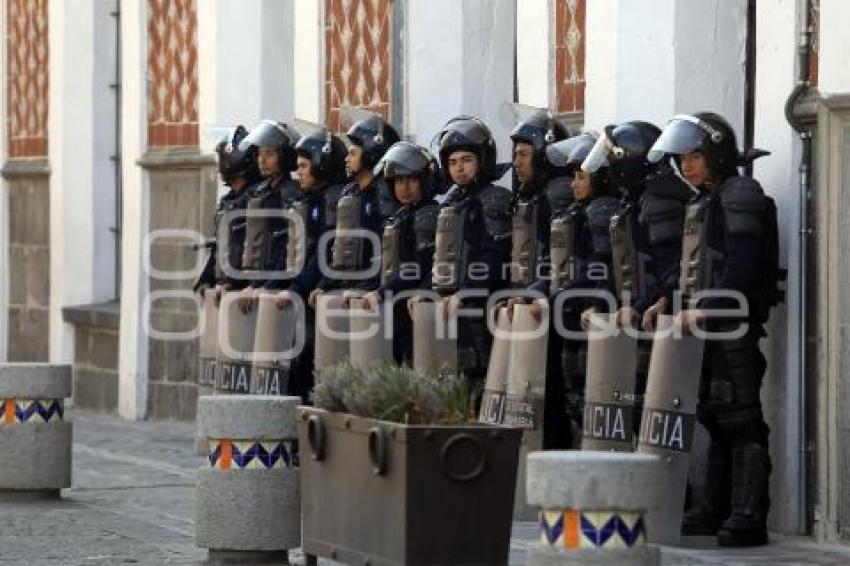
[[249, 503], [592, 507], [35, 438]]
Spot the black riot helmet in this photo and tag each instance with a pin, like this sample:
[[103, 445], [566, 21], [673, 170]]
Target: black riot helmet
[[326, 153], [703, 132], [275, 135], [569, 154], [374, 136], [470, 134], [624, 148], [406, 159], [234, 160], [540, 130]]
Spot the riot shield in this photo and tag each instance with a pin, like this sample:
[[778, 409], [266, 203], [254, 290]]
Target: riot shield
[[495, 386], [432, 354], [331, 348], [525, 396], [235, 345], [275, 336], [667, 424], [207, 348], [371, 344], [609, 386]]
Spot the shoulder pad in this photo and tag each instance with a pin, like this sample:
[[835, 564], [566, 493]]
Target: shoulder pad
[[425, 226], [289, 190], [559, 192], [744, 204], [663, 216], [600, 210], [330, 201], [496, 206], [668, 185]]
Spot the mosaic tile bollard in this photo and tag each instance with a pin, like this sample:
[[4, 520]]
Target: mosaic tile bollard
[[35, 438], [249, 502], [592, 507]]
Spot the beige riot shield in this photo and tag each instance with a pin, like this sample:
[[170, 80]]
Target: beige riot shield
[[207, 345], [667, 424], [371, 345], [495, 386], [331, 346], [275, 337], [448, 250], [235, 345], [524, 245], [525, 395], [432, 354], [296, 243], [609, 386]]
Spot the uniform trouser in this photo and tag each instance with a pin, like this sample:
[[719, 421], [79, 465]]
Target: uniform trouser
[[730, 409], [301, 377], [474, 343], [402, 333], [644, 350], [565, 383]]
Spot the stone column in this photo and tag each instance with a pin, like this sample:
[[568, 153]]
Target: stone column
[[249, 504], [592, 507], [35, 438]]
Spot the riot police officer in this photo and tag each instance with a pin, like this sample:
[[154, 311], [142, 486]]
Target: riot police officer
[[540, 184], [321, 172], [473, 235], [729, 245], [237, 166], [408, 237], [360, 207], [266, 236], [581, 258]]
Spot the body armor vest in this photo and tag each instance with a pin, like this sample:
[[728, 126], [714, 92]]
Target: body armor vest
[[562, 248], [450, 252], [257, 233], [296, 244], [627, 262], [227, 243], [524, 242], [391, 244], [699, 262], [347, 248]]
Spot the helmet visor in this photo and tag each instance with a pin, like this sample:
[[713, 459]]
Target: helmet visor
[[403, 158], [683, 134], [266, 134], [571, 151], [597, 158]]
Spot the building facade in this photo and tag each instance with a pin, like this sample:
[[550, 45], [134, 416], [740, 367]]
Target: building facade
[[108, 176]]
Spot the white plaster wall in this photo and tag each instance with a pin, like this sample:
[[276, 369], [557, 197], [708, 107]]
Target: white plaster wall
[[651, 59], [460, 62], [4, 209], [309, 57], [834, 65], [535, 52], [775, 77], [244, 43], [81, 139], [133, 342]]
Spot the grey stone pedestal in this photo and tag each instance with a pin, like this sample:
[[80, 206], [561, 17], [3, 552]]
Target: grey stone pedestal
[[592, 507], [249, 506], [35, 438]]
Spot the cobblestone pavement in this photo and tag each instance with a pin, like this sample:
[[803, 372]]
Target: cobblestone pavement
[[133, 503]]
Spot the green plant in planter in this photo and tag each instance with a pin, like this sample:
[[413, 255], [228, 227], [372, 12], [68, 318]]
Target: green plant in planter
[[394, 393]]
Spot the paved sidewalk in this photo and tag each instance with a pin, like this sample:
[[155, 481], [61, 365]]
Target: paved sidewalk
[[133, 503]]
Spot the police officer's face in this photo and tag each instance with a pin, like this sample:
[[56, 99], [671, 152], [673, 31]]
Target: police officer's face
[[524, 162], [408, 189], [354, 160], [463, 167], [305, 177], [581, 185], [267, 161], [695, 169]]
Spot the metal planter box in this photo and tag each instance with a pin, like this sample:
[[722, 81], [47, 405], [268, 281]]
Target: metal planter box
[[384, 494]]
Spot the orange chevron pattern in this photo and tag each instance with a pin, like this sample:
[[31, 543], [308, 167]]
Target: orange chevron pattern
[[27, 77], [358, 56]]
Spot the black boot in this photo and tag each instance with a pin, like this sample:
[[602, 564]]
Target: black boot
[[705, 518], [747, 525]]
